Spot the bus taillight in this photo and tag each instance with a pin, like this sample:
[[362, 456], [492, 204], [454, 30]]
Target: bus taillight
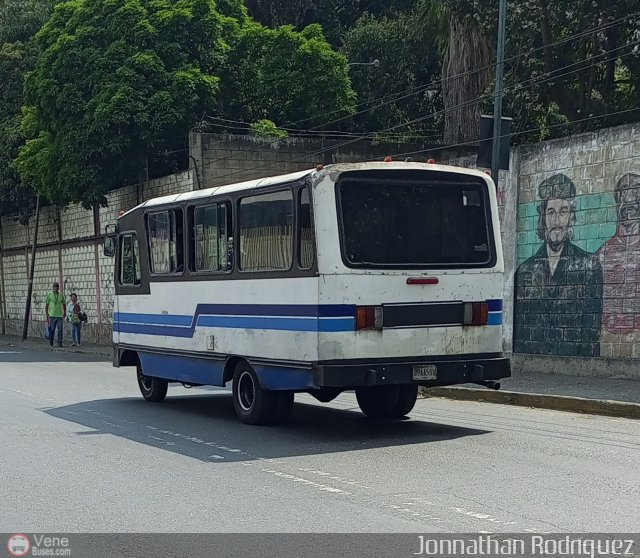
[[476, 313], [369, 317]]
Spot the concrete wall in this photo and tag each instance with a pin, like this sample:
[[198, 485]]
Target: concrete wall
[[226, 159], [70, 252], [577, 282]]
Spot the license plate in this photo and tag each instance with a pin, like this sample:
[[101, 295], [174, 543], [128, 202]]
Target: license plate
[[425, 372]]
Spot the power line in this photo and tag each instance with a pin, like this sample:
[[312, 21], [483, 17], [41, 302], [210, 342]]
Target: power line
[[414, 91], [533, 81], [420, 88], [310, 133], [553, 126]]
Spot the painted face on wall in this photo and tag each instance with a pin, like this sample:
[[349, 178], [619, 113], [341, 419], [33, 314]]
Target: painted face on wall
[[557, 220], [629, 206]]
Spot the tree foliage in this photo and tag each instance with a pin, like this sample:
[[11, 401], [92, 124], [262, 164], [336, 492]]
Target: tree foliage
[[399, 90], [267, 129], [567, 61], [116, 81], [114, 86], [335, 16], [19, 22], [284, 76]]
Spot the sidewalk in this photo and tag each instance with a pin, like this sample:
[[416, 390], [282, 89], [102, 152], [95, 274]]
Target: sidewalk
[[578, 394], [13, 341], [581, 394]]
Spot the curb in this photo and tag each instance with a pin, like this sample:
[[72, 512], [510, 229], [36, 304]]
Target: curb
[[541, 401]]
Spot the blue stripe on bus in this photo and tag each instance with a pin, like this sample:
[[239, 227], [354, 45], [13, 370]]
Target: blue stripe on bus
[[156, 319], [279, 310], [239, 322], [287, 324], [283, 317], [495, 318], [288, 317]]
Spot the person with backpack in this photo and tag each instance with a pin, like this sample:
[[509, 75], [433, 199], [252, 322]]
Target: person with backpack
[[74, 316]]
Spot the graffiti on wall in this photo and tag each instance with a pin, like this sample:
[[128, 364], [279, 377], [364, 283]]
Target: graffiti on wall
[[567, 295]]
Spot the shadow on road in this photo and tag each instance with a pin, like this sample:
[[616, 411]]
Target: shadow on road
[[205, 427]]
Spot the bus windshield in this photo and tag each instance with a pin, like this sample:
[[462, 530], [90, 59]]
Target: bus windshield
[[415, 222]]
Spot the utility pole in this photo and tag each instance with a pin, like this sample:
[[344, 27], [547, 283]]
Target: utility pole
[[497, 108], [31, 272]]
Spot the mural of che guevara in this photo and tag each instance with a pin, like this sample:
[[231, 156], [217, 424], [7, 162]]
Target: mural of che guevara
[[558, 306]]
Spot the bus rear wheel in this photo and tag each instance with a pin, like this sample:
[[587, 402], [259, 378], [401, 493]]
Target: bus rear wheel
[[255, 405], [387, 401], [153, 389], [407, 397]]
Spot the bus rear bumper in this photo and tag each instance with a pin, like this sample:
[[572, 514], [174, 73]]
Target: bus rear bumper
[[432, 373]]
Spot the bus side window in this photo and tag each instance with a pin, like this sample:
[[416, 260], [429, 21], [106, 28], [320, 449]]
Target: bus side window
[[211, 237], [130, 274], [166, 246], [306, 236], [266, 231]]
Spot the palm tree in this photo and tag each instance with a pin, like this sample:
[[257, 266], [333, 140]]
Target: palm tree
[[466, 58]]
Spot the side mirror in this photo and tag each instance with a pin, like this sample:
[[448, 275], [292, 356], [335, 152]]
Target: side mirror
[[110, 232], [110, 246]]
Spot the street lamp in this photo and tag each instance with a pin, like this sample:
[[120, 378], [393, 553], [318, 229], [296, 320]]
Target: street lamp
[[375, 64]]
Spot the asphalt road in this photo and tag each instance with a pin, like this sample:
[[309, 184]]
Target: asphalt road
[[81, 451]]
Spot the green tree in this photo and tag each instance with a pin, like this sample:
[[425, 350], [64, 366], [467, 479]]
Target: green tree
[[266, 129], [408, 64], [567, 61], [116, 82], [285, 76], [336, 16], [19, 22]]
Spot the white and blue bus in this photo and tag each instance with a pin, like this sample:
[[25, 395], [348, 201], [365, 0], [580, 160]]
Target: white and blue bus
[[373, 277]]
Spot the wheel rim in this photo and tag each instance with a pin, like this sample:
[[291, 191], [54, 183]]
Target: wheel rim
[[246, 391], [145, 382]]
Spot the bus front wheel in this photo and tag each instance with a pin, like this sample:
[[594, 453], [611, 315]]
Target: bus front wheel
[[152, 389]]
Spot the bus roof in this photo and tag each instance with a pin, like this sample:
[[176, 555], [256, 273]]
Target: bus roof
[[292, 177]]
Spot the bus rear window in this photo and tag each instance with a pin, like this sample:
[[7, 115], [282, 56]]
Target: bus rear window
[[415, 223]]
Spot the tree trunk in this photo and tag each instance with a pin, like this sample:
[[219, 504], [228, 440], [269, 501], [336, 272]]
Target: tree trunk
[[463, 84]]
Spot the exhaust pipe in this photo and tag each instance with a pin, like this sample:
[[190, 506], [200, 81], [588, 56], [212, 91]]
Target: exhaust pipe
[[489, 384]]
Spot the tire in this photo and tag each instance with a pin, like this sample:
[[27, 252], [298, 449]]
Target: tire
[[153, 389], [282, 407], [407, 396], [378, 401], [253, 405]]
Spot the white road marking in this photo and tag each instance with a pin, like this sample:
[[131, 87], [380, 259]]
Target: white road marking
[[307, 482]]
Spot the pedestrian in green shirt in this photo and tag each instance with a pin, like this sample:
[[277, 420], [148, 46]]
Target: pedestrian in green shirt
[[55, 310]]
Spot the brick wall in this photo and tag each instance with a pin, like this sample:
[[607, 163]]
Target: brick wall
[[578, 246], [70, 252]]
